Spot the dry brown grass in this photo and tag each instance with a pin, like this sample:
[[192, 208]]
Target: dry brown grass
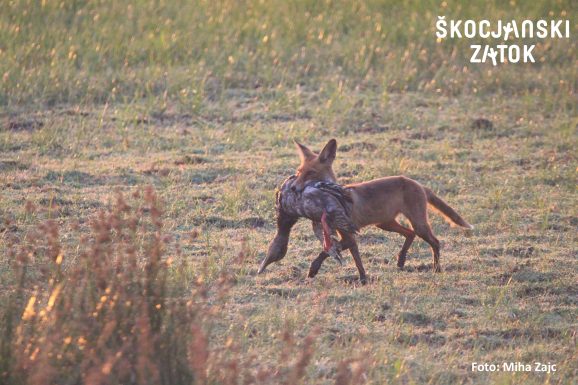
[[107, 316], [100, 99]]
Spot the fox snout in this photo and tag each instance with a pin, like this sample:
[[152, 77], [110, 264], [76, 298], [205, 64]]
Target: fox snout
[[297, 187], [298, 184]]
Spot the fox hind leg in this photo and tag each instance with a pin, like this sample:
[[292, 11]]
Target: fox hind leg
[[409, 235], [417, 215], [424, 231]]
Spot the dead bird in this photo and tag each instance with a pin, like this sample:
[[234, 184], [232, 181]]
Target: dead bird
[[327, 204]]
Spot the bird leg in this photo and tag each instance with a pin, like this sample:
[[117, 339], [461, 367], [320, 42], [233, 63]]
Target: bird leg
[[335, 251], [326, 232]]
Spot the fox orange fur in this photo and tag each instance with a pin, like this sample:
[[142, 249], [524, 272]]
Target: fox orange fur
[[379, 202]]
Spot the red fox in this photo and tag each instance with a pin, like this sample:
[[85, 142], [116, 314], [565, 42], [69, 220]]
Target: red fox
[[379, 202]]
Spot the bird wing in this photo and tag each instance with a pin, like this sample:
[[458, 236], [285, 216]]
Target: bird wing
[[310, 203], [341, 205], [285, 200]]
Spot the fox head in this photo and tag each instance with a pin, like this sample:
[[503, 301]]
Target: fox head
[[315, 167]]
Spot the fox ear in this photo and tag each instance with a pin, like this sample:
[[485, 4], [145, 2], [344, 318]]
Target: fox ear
[[304, 152], [328, 152]]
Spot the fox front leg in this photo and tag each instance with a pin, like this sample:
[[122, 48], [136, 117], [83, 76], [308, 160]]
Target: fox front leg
[[349, 241], [316, 264]]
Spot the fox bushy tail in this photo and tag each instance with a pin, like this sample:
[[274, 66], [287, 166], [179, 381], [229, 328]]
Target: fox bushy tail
[[445, 210]]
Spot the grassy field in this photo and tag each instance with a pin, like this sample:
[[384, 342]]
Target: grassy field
[[140, 146]]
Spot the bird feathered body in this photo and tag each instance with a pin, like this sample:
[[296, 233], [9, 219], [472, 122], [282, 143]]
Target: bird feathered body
[[315, 200]]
